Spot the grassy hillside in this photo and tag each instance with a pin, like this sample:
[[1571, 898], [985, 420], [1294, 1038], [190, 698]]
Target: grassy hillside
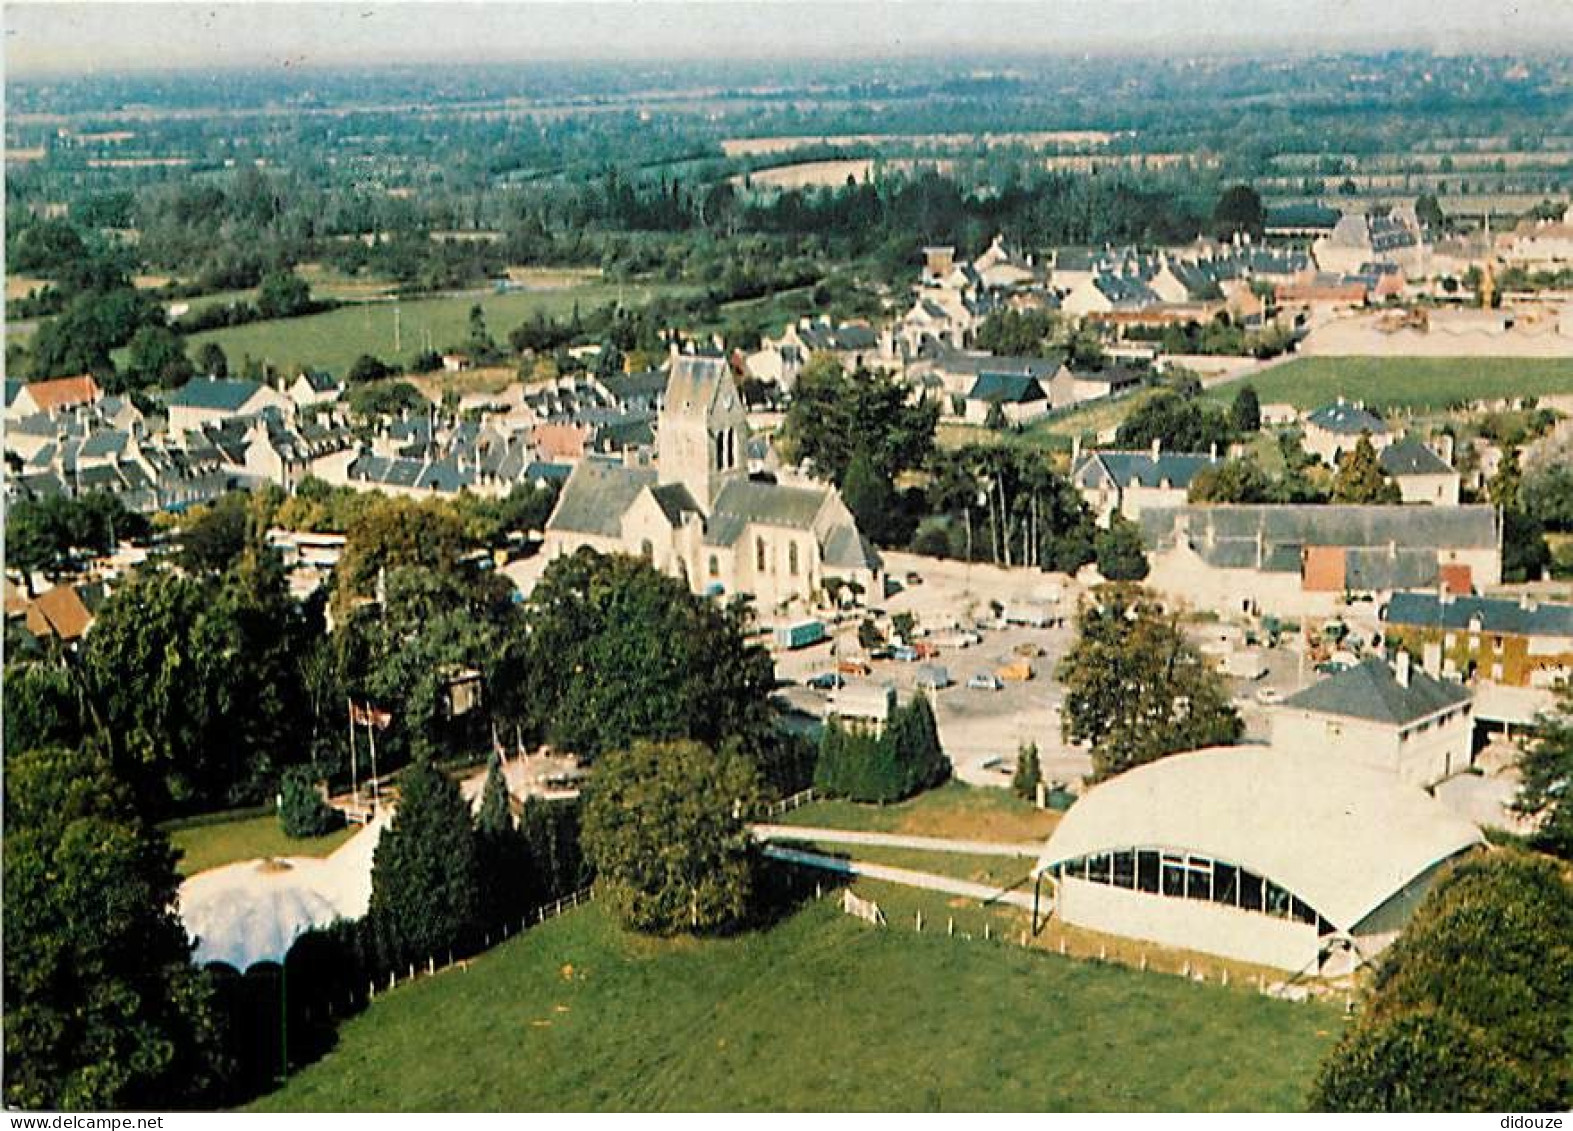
[[334, 340], [819, 1013], [1417, 382]]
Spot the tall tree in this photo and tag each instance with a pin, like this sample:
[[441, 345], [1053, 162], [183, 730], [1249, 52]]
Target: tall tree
[[1360, 479], [871, 497], [502, 858], [1245, 411], [103, 1010], [1239, 210], [1135, 688], [1121, 554], [425, 878], [664, 827], [834, 415]]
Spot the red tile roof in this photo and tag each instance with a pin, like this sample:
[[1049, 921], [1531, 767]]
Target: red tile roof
[[64, 392]]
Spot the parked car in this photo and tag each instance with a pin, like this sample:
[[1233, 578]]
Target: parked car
[[913, 578], [1030, 650], [984, 681], [880, 653], [1267, 696], [853, 667], [905, 654], [826, 681]]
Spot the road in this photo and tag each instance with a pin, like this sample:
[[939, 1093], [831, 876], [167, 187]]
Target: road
[[895, 840], [982, 892]]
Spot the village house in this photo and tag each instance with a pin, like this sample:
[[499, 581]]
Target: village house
[[1422, 475], [1393, 717], [50, 398], [697, 514], [1020, 399], [1127, 483], [315, 387], [1333, 430], [210, 400], [1519, 642]]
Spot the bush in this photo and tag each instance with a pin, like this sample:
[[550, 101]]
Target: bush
[[905, 758], [302, 811]]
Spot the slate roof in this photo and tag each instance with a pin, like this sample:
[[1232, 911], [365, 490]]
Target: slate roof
[[320, 380], [674, 501], [1007, 388], [12, 388], [1411, 457], [1346, 419], [1385, 547], [845, 548], [957, 362], [1140, 469], [597, 495], [1370, 690], [1494, 614], [770, 503], [220, 395]]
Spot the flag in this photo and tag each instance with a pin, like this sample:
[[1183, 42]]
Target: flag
[[369, 716]]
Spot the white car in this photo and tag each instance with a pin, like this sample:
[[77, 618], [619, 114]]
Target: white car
[[1267, 696], [983, 681]]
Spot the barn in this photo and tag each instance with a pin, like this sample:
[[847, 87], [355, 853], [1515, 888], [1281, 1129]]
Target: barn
[[1253, 854]]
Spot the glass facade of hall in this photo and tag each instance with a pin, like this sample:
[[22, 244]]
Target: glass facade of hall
[[1184, 875]]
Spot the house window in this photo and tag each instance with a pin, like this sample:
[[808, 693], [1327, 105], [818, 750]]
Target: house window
[[647, 550], [759, 554], [720, 451], [715, 566], [792, 558]]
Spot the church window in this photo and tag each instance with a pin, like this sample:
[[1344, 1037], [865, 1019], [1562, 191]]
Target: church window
[[792, 558], [720, 450], [715, 566], [759, 554]]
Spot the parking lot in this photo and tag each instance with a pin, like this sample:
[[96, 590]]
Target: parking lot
[[981, 729]]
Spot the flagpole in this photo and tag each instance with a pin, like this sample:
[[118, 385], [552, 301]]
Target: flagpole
[[354, 789], [376, 793]]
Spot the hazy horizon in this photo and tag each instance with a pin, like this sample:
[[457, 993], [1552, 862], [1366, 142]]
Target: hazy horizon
[[61, 39]]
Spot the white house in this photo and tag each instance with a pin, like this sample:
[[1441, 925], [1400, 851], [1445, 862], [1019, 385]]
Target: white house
[[210, 400], [1421, 474], [1395, 718], [1333, 430]]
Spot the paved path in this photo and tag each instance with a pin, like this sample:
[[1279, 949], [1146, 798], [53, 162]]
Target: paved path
[[896, 840], [984, 893]]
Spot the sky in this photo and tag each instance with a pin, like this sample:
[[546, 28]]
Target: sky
[[54, 37]]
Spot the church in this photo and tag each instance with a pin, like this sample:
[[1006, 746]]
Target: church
[[697, 514]]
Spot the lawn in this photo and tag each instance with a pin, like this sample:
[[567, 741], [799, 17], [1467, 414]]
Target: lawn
[[955, 810], [335, 339], [1401, 382], [821, 1012], [247, 838]]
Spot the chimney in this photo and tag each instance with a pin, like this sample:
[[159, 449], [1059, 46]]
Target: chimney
[[1212, 452], [1157, 447], [1432, 659], [1527, 603], [1401, 669], [1075, 450]]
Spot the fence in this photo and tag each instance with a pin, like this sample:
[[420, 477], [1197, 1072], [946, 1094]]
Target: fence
[[787, 804], [540, 915]]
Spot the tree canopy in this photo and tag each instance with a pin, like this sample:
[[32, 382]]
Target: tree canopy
[[664, 825], [1360, 477], [618, 651], [1135, 688], [103, 1007], [1480, 980], [834, 415]]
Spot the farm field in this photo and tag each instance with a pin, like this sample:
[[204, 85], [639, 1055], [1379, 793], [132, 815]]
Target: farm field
[[1398, 382], [246, 838], [578, 1015], [333, 340], [765, 146]]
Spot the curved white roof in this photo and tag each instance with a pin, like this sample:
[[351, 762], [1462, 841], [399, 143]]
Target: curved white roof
[[1343, 838], [253, 911]]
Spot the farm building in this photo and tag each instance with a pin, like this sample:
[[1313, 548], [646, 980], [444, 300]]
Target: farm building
[[1252, 854]]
